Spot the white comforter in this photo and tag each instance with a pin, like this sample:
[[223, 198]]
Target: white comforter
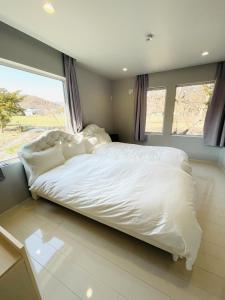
[[154, 202], [169, 155]]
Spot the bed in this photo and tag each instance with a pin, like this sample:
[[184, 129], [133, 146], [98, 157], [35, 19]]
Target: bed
[[104, 146], [153, 201]]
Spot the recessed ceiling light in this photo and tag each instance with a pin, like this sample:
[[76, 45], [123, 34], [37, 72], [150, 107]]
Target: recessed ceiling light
[[204, 53], [125, 69], [89, 293], [49, 8]]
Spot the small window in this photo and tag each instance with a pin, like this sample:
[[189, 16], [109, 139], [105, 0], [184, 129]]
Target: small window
[[29, 104], [156, 99], [191, 104]]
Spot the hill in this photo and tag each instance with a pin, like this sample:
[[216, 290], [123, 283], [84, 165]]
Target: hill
[[40, 104]]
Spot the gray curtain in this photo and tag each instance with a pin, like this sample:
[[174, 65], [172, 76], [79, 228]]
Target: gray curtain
[[214, 128], [140, 93], [74, 105]]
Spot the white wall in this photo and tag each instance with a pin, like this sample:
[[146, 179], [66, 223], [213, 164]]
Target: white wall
[[123, 109]]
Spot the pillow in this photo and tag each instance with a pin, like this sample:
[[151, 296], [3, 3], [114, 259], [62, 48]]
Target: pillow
[[95, 141], [43, 161], [73, 148], [95, 131], [91, 129], [103, 137], [91, 143]]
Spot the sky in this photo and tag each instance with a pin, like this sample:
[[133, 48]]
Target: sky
[[31, 84]]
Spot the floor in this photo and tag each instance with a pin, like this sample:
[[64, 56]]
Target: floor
[[76, 258]]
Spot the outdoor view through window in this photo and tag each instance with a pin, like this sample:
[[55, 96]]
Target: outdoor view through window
[[156, 99], [29, 104], [191, 105]]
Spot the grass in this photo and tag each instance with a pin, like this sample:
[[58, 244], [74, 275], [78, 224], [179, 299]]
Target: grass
[[39, 120], [13, 149], [7, 136], [12, 138]]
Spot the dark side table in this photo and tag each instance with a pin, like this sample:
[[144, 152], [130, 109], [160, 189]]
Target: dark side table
[[114, 137]]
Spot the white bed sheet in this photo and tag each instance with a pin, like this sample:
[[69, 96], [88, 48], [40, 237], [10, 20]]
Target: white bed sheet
[[154, 202], [169, 155]]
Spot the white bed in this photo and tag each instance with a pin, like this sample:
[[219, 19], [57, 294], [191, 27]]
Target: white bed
[[154, 201], [168, 155], [115, 150]]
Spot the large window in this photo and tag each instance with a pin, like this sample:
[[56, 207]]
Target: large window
[[155, 110], [191, 105], [29, 104]]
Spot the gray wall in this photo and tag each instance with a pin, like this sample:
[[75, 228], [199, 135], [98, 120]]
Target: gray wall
[[14, 188], [95, 90], [123, 109], [21, 48], [95, 93], [221, 159]]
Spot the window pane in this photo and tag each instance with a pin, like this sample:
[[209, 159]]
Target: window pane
[[191, 105], [155, 110], [29, 105]]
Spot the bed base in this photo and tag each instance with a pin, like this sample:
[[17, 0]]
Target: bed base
[[175, 256]]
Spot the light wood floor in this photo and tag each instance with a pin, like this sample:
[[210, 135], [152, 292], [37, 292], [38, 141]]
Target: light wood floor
[[76, 258]]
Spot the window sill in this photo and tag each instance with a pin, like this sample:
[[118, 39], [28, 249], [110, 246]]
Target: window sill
[[7, 162], [185, 135], [154, 133], [173, 135]]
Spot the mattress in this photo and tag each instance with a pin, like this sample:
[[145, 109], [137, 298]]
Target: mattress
[[154, 202], [168, 155]]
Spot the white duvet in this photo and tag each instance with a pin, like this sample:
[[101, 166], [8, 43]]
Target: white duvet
[[154, 202], [169, 155]]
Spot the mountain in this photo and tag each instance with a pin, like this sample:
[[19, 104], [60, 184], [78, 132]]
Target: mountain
[[40, 104]]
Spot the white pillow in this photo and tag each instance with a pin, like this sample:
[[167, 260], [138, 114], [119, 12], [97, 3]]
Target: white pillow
[[43, 161], [95, 137], [73, 148], [91, 144], [95, 141], [103, 137]]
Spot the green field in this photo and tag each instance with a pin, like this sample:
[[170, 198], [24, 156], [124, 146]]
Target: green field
[[23, 129], [39, 120]]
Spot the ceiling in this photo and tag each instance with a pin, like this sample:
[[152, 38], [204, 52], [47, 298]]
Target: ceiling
[[108, 35]]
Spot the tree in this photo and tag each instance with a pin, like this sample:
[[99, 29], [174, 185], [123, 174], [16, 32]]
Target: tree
[[9, 106]]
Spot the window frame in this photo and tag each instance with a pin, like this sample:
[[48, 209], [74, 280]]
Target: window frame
[[164, 110], [22, 67], [184, 85]]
